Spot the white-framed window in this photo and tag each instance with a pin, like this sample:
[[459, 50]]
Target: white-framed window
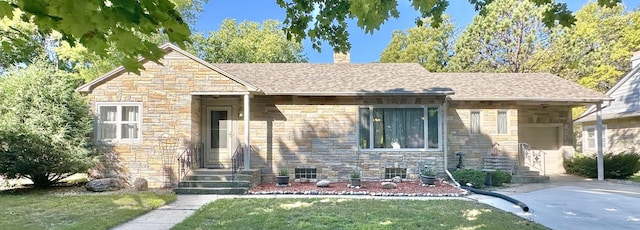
[[407, 127], [589, 138], [475, 122], [502, 122], [119, 121]]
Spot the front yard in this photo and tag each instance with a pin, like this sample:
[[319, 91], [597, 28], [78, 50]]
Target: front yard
[[75, 210], [315, 213]]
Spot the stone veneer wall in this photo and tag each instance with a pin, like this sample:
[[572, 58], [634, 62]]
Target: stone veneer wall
[[170, 114], [622, 135], [476, 146], [321, 132]]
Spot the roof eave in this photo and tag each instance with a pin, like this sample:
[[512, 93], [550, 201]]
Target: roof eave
[[528, 99], [433, 93]]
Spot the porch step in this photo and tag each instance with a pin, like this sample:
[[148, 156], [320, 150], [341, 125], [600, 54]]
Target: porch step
[[216, 181], [529, 179], [220, 191], [214, 184], [497, 162]]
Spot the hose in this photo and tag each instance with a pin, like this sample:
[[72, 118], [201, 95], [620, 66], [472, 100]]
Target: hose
[[504, 197]]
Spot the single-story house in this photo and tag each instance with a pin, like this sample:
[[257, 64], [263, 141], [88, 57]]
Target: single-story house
[[620, 118], [326, 120]]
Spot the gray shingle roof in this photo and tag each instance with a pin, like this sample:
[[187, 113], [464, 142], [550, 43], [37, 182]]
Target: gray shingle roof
[[347, 79], [626, 95]]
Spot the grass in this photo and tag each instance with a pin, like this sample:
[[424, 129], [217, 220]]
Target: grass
[[635, 177], [352, 214], [44, 210]]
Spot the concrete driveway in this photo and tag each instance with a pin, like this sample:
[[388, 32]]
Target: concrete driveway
[[569, 202]]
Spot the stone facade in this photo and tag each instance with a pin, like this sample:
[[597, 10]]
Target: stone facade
[[170, 114], [621, 135]]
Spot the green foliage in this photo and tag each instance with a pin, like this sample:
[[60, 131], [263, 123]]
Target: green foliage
[[428, 46], [474, 177], [283, 171], [498, 178], [98, 24], [501, 40], [247, 42], [44, 125], [328, 17], [616, 166], [427, 172], [355, 174], [21, 42]]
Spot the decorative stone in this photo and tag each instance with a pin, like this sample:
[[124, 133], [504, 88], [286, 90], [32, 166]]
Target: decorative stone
[[314, 192], [304, 180], [323, 183], [389, 185], [396, 179], [102, 185], [141, 184]]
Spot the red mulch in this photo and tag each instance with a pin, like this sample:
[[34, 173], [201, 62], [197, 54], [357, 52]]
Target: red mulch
[[373, 188]]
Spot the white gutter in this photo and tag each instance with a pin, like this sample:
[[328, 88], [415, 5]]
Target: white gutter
[[445, 140]]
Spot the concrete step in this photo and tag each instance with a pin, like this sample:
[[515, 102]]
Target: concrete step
[[529, 179], [528, 173], [219, 191], [211, 172], [213, 184], [239, 177]]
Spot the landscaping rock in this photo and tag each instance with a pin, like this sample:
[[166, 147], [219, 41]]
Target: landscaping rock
[[323, 183], [396, 179], [102, 185], [389, 185], [304, 180], [141, 184]]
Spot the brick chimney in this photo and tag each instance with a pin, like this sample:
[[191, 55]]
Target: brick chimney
[[341, 58], [635, 59]]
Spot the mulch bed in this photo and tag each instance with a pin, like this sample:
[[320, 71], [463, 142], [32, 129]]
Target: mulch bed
[[370, 188]]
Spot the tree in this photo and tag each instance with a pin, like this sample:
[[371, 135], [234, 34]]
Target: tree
[[44, 125], [329, 17], [28, 43], [428, 46], [97, 24], [596, 51], [503, 39], [247, 42]]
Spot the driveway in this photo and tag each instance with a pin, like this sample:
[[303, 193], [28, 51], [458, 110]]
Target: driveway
[[575, 203]]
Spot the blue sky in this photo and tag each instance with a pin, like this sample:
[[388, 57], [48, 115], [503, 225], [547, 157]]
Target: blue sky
[[365, 47]]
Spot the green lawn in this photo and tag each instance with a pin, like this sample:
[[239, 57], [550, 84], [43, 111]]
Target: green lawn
[[352, 214], [42, 210], [635, 178]]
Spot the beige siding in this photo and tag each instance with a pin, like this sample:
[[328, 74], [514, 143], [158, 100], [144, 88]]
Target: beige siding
[[621, 135]]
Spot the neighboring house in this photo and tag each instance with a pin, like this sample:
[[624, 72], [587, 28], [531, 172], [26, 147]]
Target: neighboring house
[[325, 120], [620, 118]]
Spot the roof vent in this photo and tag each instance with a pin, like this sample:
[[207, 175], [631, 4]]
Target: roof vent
[[341, 58]]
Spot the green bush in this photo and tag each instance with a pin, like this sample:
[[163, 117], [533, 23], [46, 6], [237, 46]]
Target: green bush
[[498, 178], [616, 166], [472, 176]]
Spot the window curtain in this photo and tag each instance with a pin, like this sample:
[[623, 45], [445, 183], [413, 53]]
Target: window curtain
[[399, 128], [502, 122], [129, 122], [108, 119], [433, 127], [475, 122]]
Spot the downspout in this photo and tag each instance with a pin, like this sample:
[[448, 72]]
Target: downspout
[[445, 139]]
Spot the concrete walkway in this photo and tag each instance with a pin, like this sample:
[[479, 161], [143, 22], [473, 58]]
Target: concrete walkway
[[570, 202]]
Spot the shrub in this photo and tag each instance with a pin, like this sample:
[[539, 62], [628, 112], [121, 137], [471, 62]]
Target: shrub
[[472, 176], [616, 166], [498, 178], [44, 126]]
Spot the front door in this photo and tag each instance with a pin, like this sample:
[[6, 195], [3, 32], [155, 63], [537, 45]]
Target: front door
[[217, 137]]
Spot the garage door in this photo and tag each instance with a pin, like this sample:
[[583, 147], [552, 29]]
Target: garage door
[[542, 138]]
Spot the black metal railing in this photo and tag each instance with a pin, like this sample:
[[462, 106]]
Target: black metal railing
[[531, 157], [188, 159], [237, 161]]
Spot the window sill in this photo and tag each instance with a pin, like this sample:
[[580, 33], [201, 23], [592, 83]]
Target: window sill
[[400, 150]]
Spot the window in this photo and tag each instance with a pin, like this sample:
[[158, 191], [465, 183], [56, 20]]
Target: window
[[475, 122], [589, 138], [119, 121], [390, 173], [399, 128], [309, 173], [502, 122]]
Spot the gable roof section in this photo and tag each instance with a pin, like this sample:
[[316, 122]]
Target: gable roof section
[[406, 78], [306, 79], [626, 95], [86, 88]]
